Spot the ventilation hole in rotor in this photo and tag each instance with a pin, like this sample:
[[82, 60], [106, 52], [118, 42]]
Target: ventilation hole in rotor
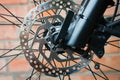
[[74, 68], [42, 70], [46, 69], [36, 66], [27, 50], [24, 47], [31, 57], [53, 2], [67, 70], [57, 74], [31, 61], [25, 37], [25, 44], [61, 6], [40, 66], [49, 72], [68, 3], [61, 2], [53, 71], [71, 7], [78, 68], [60, 71], [35, 62], [57, 4], [27, 54]]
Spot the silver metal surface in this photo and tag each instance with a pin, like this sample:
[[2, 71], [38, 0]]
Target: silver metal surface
[[46, 58]]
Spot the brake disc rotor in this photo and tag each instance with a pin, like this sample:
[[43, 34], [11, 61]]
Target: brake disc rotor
[[48, 58]]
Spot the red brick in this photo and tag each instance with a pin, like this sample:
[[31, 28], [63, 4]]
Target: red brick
[[13, 1], [6, 78], [19, 65], [8, 33], [114, 77], [9, 45], [86, 78], [111, 77], [109, 11], [19, 11], [2, 46]]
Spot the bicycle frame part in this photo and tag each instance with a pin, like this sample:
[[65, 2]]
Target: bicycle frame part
[[89, 15]]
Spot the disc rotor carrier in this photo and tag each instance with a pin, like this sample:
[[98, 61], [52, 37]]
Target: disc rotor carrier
[[47, 58]]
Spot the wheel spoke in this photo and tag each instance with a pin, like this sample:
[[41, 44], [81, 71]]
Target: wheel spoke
[[9, 55], [10, 61], [92, 72], [11, 13], [96, 74], [9, 21], [103, 74], [39, 76], [11, 16], [106, 66], [113, 41], [32, 74], [114, 45], [9, 50], [116, 10], [14, 17]]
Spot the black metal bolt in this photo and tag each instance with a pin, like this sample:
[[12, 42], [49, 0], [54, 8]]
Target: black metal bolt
[[48, 39], [54, 48], [100, 53], [53, 30]]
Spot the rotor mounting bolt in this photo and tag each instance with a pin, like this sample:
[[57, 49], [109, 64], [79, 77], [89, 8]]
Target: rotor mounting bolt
[[53, 30], [48, 39], [54, 48]]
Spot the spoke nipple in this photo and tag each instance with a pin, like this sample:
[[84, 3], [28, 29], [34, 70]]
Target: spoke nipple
[[97, 66]]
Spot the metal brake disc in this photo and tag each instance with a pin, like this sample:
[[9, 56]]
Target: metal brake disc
[[36, 33]]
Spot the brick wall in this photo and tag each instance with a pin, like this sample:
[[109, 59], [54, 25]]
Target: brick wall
[[19, 68]]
